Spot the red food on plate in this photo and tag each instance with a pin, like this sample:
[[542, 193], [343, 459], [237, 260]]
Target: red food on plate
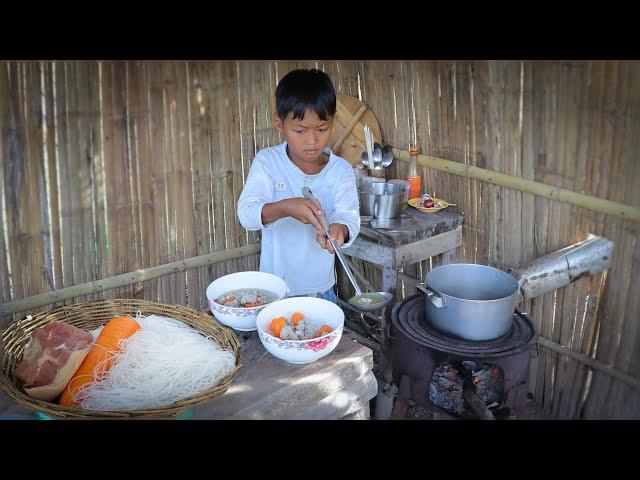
[[426, 201]]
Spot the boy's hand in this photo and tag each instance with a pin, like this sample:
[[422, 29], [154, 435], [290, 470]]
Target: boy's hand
[[305, 211], [338, 232]]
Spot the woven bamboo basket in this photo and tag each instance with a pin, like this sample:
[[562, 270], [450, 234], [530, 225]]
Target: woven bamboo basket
[[91, 315]]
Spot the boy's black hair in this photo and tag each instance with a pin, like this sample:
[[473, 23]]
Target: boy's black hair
[[301, 89]]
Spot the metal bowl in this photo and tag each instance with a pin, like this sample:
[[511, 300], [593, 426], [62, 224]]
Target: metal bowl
[[381, 200]]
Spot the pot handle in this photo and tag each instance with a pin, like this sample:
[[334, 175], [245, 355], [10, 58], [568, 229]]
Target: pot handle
[[433, 296]]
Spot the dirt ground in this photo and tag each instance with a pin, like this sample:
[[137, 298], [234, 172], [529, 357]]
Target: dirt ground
[[426, 411]]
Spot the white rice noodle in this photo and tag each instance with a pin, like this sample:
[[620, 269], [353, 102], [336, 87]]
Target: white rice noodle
[[163, 362]]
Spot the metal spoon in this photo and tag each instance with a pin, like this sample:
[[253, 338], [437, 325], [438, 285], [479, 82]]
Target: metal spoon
[[387, 156], [355, 300], [364, 158], [377, 154], [377, 159]]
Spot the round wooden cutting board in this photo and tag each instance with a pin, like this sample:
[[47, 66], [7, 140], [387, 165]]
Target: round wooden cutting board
[[351, 116]]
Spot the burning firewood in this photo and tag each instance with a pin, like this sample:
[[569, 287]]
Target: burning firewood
[[474, 402]]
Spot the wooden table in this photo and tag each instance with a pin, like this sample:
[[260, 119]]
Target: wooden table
[[436, 233], [339, 385]]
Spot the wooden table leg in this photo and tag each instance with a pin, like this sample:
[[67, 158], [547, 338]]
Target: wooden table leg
[[386, 388], [404, 394]]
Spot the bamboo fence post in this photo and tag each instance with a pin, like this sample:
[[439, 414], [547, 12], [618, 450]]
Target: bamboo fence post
[[126, 279]]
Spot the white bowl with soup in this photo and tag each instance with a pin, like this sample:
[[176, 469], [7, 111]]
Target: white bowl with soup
[[236, 299], [317, 313]]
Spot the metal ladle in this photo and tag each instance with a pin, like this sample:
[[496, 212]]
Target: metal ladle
[[307, 193]]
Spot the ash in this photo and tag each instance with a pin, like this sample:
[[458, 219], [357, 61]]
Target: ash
[[445, 390]]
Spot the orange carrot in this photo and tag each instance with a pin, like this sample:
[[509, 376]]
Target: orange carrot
[[324, 329], [105, 347], [276, 325], [296, 317]]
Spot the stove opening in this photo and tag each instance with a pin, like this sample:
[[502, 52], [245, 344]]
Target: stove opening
[[468, 389]]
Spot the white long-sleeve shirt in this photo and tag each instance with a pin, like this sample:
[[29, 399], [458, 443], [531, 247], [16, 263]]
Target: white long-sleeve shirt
[[289, 247]]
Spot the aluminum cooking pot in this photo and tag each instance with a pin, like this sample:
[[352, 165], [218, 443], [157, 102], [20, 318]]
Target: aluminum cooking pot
[[381, 200], [473, 302]]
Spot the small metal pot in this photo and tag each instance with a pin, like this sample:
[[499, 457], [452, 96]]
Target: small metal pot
[[474, 302], [381, 200]]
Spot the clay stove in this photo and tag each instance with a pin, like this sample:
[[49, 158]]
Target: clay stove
[[418, 349]]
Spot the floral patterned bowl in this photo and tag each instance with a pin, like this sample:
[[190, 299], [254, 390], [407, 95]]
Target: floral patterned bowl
[[239, 318], [316, 310]]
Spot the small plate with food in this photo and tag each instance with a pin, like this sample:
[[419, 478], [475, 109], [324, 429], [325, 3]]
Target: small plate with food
[[428, 203]]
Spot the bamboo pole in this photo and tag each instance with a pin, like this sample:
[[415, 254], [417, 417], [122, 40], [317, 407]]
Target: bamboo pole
[[590, 362], [125, 279], [620, 210], [408, 278]]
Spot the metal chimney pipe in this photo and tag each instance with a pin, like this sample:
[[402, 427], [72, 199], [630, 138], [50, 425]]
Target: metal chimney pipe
[[564, 266]]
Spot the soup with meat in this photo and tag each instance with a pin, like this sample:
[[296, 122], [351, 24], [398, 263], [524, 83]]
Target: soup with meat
[[246, 298]]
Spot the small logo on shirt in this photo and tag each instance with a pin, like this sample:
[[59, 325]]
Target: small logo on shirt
[[279, 185]]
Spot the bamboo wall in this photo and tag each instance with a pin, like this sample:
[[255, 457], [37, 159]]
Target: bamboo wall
[[108, 167]]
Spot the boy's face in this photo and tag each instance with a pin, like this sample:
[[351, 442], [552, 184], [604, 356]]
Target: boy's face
[[307, 138]]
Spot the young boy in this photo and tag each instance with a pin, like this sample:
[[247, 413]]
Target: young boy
[[294, 246]]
